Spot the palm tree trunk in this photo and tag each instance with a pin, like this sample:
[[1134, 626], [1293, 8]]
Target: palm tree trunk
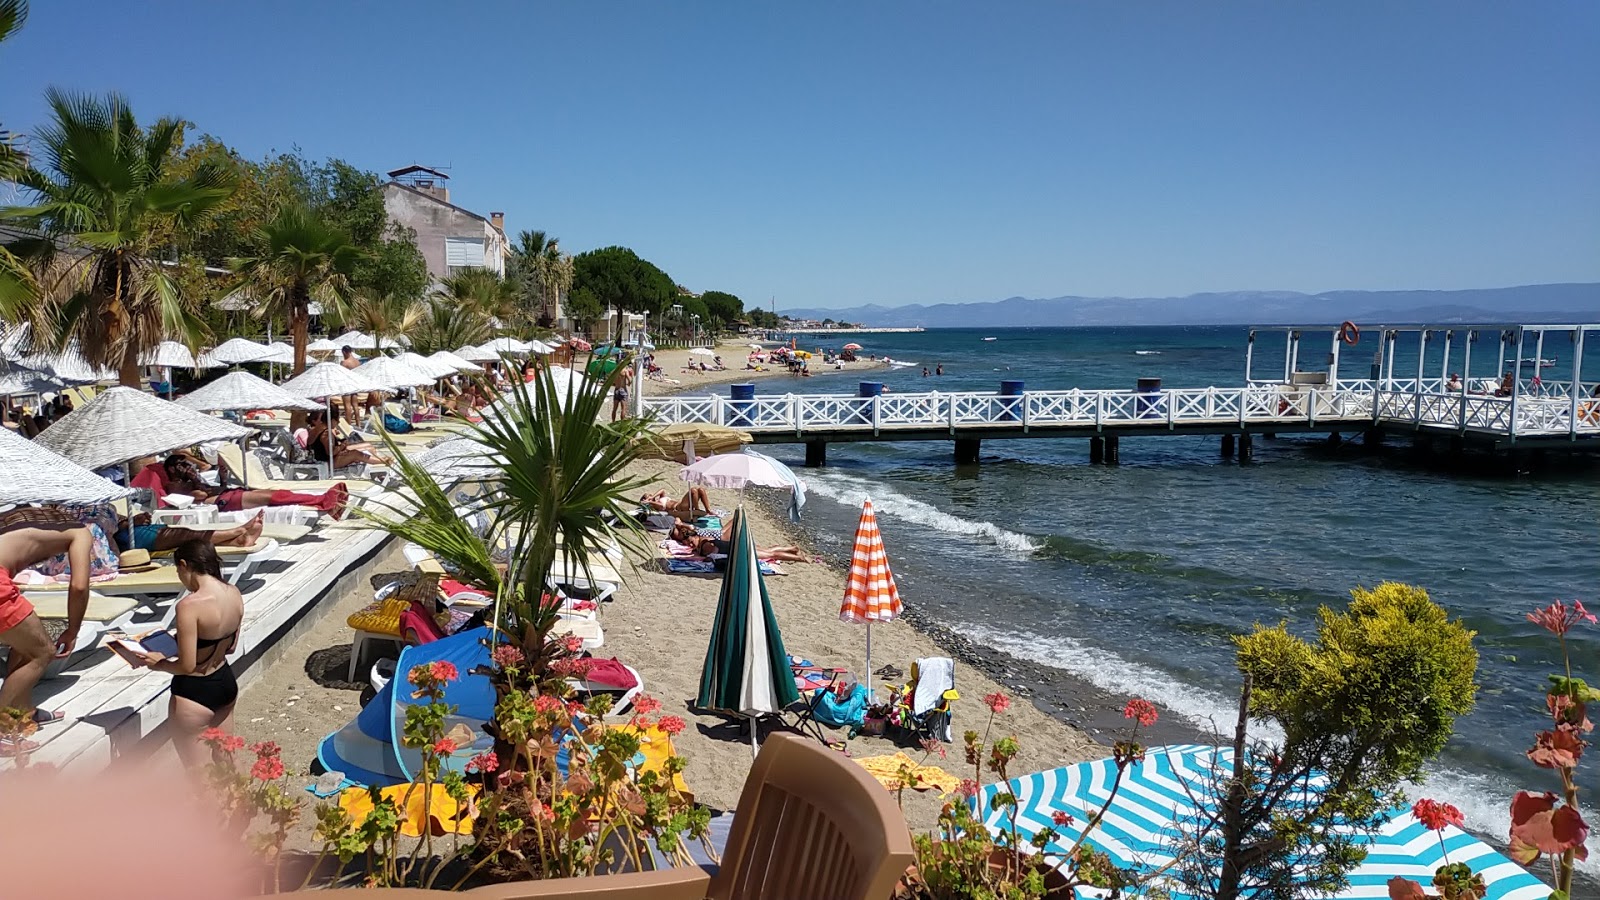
[[300, 324]]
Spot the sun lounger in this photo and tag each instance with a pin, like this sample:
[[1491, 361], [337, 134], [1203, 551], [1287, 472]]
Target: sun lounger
[[105, 614], [161, 581]]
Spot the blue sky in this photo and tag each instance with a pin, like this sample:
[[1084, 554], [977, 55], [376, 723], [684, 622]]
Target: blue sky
[[836, 154]]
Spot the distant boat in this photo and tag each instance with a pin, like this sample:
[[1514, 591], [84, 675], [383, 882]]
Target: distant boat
[[1541, 363], [1147, 352], [991, 339]]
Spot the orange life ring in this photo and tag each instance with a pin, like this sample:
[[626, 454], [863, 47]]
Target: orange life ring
[[1349, 333]]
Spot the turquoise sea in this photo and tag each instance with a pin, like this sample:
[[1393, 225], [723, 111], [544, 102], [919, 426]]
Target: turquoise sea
[[1134, 577]]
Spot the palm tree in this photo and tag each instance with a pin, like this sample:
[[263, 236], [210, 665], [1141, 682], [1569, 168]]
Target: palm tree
[[101, 200], [18, 289], [383, 315], [299, 258], [542, 274], [446, 325], [561, 482], [483, 292]]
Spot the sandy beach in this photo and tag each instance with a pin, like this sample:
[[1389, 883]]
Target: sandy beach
[[734, 352], [661, 624]]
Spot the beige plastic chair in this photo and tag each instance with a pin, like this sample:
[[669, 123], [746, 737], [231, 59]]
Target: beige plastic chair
[[682, 883], [812, 824]]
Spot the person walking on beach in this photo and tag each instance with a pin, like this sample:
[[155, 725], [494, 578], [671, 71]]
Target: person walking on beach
[[207, 630], [29, 536], [619, 393]]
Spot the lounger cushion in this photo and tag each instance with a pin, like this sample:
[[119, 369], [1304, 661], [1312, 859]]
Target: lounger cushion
[[53, 605]]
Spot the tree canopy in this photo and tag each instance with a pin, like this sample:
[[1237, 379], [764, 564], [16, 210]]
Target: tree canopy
[[617, 277]]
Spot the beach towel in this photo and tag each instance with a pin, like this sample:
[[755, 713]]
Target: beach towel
[[828, 709], [935, 675], [676, 549], [611, 673], [702, 566], [886, 769]]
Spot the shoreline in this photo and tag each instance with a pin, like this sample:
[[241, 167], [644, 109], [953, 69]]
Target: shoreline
[[672, 362]]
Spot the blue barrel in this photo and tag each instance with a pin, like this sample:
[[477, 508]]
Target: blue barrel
[[1011, 410], [741, 399], [1149, 404], [870, 389]]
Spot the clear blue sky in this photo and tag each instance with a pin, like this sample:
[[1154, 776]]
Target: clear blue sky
[[835, 154]]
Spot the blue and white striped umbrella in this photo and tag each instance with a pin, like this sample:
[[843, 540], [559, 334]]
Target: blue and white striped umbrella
[[1139, 827]]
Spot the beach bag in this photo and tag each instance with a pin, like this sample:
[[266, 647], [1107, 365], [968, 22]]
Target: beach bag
[[395, 425]]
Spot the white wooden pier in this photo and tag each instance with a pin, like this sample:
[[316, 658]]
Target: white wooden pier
[[1534, 413]]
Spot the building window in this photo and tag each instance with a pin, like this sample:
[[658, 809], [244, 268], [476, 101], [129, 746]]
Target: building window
[[463, 252]]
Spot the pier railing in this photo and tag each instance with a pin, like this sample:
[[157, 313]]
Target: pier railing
[[1546, 409]]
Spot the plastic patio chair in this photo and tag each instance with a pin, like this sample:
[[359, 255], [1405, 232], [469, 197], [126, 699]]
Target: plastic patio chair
[[812, 824]]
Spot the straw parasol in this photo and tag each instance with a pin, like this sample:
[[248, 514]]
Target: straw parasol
[[323, 345], [16, 379], [506, 345], [52, 478], [68, 366], [123, 423], [871, 594], [455, 362], [234, 351], [1176, 786], [242, 390], [391, 375], [168, 355], [540, 347], [325, 381], [458, 459], [354, 340], [477, 354], [746, 669], [278, 352], [427, 365]]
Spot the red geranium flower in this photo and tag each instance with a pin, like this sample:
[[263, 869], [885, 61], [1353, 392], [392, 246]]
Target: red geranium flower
[[484, 762], [267, 768], [672, 724], [547, 703], [1061, 819], [443, 671], [266, 748], [1434, 815], [232, 743], [444, 746], [212, 735], [997, 702], [1142, 711], [506, 656], [644, 704], [967, 788]]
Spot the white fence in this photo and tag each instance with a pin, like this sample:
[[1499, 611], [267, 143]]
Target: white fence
[[1543, 409]]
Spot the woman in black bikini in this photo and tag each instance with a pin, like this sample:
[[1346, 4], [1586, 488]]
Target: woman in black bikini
[[208, 620]]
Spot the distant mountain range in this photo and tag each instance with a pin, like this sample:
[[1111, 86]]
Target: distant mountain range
[[1530, 304]]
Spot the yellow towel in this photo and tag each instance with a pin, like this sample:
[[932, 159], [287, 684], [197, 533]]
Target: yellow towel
[[446, 815], [886, 769]]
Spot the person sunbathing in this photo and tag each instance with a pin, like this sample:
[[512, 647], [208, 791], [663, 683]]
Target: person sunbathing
[[345, 451], [142, 534], [695, 499], [175, 475], [709, 547], [29, 536]]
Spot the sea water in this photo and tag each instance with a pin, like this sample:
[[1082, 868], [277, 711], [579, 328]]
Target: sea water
[[1135, 577]]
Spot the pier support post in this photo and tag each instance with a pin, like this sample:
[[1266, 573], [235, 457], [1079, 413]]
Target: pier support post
[[967, 451], [1113, 449], [1335, 439], [1097, 450], [816, 454], [1247, 448], [1227, 446], [1372, 438]]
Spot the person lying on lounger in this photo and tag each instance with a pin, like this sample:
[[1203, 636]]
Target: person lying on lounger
[[141, 534], [175, 475], [685, 508], [345, 451]]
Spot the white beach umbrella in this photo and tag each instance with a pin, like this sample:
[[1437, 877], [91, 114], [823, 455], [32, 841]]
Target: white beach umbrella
[[355, 340], [743, 469], [455, 362], [566, 382], [68, 366], [52, 478], [390, 374], [235, 301], [242, 390], [325, 381], [123, 423], [13, 338], [458, 459], [234, 351], [506, 345], [427, 365], [168, 355], [18, 379], [702, 351], [478, 354], [540, 347], [323, 345], [280, 353]]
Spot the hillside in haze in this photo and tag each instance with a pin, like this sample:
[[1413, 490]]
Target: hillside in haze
[[1527, 304]]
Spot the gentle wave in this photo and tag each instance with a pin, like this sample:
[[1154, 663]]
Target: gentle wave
[[1484, 801], [886, 501], [1147, 352]]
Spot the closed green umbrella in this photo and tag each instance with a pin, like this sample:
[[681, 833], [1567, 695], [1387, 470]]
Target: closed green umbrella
[[746, 669]]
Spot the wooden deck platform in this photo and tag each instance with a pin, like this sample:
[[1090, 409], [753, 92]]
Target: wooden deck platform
[[117, 712]]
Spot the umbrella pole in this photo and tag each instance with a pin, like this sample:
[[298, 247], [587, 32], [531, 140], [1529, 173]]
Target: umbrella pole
[[867, 674], [755, 747], [329, 425]]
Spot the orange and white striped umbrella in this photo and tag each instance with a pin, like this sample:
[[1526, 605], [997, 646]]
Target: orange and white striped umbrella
[[871, 594]]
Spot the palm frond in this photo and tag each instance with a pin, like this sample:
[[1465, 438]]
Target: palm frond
[[12, 14]]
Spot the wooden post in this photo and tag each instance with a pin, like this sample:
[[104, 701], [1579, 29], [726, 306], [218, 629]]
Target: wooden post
[[1227, 446], [816, 453], [1113, 454], [1097, 450], [967, 451], [1247, 449]]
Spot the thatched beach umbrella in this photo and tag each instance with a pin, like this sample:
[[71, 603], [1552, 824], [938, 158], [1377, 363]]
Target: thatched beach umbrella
[[243, 391], [391, 374], [325, 381], [455, 362], [234, 351], [477, 354], [507, 345], [51, 477], [168, 355], [427, 365], [746, 668], [18, 379], [123, 423]]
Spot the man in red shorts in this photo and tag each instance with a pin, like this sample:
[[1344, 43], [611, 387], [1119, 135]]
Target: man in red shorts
[[177, 475], [29, 536]]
